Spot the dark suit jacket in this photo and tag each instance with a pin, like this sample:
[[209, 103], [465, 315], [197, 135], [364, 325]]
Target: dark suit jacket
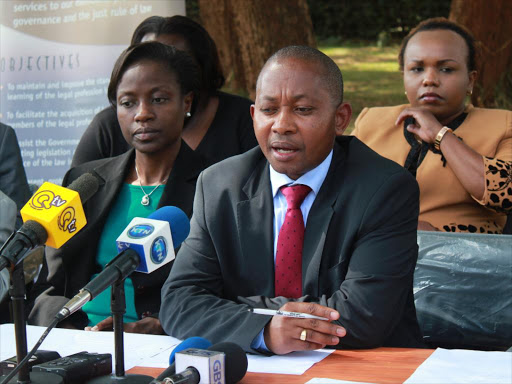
[[13, 180], [359, 251], [70, 268], [7, 222]]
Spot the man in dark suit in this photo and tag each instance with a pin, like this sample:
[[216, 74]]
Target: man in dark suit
[[358, 250], [7, 222], [13, 180]]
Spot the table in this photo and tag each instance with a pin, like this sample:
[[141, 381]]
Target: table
[[380, 365]]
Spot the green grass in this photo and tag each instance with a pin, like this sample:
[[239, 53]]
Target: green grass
[[370, 75]]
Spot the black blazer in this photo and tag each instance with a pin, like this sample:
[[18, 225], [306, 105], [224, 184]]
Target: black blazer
[[359, 252], [13, 180], [68, 269]]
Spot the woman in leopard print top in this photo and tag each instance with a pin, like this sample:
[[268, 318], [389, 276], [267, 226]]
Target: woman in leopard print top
[[465, 178]]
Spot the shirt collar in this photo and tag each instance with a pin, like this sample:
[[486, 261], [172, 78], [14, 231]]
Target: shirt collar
[[313, 179]]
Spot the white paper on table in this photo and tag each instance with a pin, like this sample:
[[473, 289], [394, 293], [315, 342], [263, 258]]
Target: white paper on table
[[295, 363], [138, 348], [464, 366], [145, 350], [321, 380]]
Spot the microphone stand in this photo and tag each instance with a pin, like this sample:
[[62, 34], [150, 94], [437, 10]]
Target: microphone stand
[[17, 292], [118, 308]]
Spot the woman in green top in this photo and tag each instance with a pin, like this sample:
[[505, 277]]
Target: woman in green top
[[152, 87]]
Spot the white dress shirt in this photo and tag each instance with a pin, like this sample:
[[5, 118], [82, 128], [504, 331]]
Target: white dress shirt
[[313, 179]]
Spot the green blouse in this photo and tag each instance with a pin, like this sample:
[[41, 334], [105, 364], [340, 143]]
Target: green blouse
[[126, 207]]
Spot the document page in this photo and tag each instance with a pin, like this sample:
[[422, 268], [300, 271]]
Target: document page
[[464, 366], [138, 348], [144, 350]]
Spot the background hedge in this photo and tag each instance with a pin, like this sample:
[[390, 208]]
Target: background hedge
[[366, 19]]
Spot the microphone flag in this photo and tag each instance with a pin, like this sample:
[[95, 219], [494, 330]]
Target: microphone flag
[[209, 364], [148, 237], [59, 210]]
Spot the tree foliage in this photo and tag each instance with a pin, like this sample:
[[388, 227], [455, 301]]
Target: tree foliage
[[489, 21], [366, 19], [248, 32]]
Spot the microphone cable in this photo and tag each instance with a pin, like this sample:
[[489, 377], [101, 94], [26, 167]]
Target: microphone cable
[[31, 353]]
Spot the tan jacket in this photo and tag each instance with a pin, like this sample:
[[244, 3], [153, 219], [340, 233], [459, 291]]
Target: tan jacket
[[443, 200]]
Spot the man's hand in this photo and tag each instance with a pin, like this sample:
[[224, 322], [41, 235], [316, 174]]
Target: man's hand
[[148, 325], [282, 334]]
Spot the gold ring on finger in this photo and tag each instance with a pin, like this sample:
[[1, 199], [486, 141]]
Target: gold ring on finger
[[303, 335]]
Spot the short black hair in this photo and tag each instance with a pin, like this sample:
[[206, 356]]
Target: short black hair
[[332, 75], [442, 23], [201, 45], [178, 62]]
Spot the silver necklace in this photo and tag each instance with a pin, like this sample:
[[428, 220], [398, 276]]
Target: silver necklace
[[145, 199]]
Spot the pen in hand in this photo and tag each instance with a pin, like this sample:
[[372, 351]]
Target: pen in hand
[[273, 312]]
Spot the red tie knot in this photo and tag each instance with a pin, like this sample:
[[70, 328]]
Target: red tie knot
[[295, 195]]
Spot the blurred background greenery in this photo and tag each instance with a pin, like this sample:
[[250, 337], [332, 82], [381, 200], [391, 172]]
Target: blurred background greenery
[[371, 76], [363, 37]]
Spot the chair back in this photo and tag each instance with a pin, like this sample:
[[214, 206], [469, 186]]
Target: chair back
[[463, 290]]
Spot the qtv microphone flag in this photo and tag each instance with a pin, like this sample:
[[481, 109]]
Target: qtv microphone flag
[[59, 210], [51, 222]]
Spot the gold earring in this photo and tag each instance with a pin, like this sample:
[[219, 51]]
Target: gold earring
[[469, 92], [405, 92]]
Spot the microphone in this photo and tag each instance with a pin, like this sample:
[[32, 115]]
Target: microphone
[[156, 237], [191, 342], [222, 363], [145, 245], [52, 216]]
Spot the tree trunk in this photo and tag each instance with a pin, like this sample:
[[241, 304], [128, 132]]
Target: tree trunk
[[248, 32], [490, 21]]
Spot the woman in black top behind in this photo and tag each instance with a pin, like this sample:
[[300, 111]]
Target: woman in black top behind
[[220, 124]]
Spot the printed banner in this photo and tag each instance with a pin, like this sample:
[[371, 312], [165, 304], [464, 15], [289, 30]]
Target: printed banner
[[56, 60]]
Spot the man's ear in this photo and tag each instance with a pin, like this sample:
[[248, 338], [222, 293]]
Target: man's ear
[[342, 118], [252, 111]]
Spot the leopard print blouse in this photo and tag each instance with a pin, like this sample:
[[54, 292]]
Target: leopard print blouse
[[498, 179]]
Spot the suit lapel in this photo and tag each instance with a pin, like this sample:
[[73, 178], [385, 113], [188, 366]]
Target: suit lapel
[[181, 185], [179, 189], [255, 229], [318, 222], [112, 175]]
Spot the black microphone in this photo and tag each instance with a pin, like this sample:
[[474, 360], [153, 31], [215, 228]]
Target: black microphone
[[44, 209], [205, 367], [151, 246]]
